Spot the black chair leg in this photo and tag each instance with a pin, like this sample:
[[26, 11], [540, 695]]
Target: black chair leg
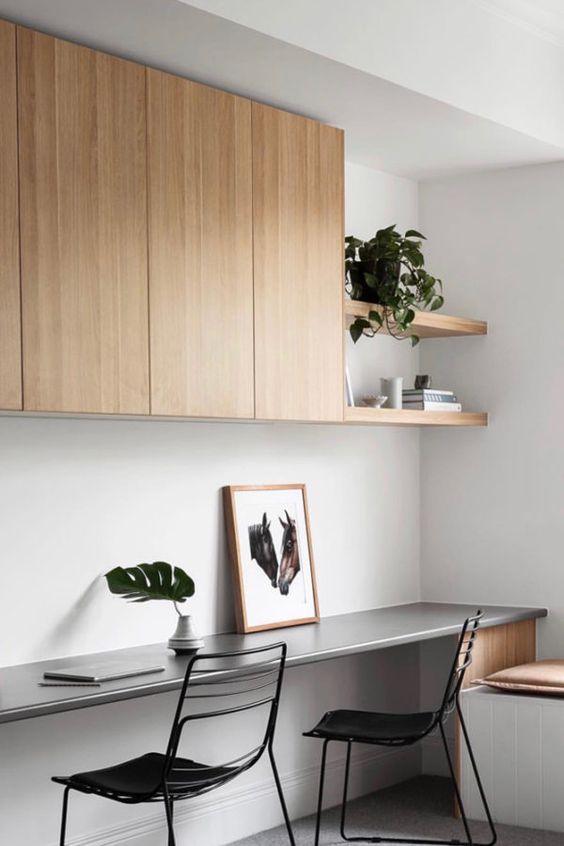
[[169, 810], [345, 791], [409, 840], [320, 797], [281, 796], [64, 816], [455, 785], [477, 777]]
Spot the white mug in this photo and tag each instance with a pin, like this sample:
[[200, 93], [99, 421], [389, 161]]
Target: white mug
[[392, 388]]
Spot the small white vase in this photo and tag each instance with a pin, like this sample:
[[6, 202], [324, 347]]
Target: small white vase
[[392, 388], [185, 638]]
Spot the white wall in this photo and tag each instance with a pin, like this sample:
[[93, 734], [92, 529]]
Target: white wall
[[492, 514], [80, 496]]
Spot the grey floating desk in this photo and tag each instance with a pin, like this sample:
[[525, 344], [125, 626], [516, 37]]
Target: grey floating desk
[[334, 637]]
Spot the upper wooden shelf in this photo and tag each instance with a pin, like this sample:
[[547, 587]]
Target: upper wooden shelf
[[427, 324]]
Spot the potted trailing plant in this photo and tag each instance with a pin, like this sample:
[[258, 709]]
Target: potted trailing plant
[[159, 581], [388, 271]]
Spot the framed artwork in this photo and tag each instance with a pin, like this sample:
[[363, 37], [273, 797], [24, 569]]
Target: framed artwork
[[271, 556]]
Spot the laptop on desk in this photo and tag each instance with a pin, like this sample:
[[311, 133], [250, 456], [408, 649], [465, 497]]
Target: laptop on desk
[[107, 670]]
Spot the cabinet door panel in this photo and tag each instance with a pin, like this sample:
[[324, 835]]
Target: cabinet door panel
[[298, 266], [82, 125], [10, 315], [200, 250]]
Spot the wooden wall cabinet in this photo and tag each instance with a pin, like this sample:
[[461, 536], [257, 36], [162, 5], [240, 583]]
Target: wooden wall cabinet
[[181, 248], [298, 174], [10, 317], [82, 142], [200, 250], [168, 248]]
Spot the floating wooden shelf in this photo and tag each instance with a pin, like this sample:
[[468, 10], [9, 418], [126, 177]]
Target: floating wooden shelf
[[427, 324], [406, 417]]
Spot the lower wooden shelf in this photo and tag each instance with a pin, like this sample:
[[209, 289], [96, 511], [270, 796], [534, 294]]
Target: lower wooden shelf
[[406, 417]]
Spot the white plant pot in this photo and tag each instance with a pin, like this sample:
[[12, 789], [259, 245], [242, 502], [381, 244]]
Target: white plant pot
[[185, 638]]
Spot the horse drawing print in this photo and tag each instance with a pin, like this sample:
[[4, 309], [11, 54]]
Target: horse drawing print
[[290, 556], [262, 549]]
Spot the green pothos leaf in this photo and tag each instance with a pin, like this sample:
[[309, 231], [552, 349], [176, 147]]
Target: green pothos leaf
[[388, 272]]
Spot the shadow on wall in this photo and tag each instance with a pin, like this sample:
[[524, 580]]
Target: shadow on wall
[[78, 617], [83, 614], [224, 610]]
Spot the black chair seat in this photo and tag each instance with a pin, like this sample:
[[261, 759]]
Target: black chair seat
[[142, 777], [372, 727]]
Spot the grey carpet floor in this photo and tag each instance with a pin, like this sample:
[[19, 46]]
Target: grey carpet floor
[[418, 808]]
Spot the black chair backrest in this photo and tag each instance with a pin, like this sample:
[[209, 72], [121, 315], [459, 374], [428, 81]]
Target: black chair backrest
[[217, 685], [462, 661]]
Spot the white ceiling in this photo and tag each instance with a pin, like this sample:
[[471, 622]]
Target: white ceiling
[[544, 18], [388, 126], [454, 51]]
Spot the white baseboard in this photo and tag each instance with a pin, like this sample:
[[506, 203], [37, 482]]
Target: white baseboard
[[228, 815]]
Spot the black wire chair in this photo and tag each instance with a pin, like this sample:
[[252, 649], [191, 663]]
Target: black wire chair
[[216, 685], [404, 730]]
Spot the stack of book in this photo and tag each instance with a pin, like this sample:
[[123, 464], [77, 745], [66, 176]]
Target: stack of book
[[430, 399]]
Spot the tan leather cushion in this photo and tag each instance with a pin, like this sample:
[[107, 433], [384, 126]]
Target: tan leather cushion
[[544, 677]]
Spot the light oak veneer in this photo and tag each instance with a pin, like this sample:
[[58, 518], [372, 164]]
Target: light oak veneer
[[501, 647], [83, 228], [369, 416], [200, 250], [298, 264], [10, 317], [427, 324]]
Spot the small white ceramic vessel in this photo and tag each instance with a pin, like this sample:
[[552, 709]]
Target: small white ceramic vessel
[[185, 638], [374, 402]]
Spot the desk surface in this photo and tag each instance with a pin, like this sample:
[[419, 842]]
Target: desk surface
[[334, 637]]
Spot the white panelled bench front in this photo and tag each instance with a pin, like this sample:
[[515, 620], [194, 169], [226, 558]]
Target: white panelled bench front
[[518, 741]]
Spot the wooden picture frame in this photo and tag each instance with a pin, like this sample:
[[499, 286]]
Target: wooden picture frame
[[271, 555]]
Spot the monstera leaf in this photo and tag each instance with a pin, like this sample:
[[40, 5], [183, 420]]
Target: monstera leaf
[[151, 581]]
